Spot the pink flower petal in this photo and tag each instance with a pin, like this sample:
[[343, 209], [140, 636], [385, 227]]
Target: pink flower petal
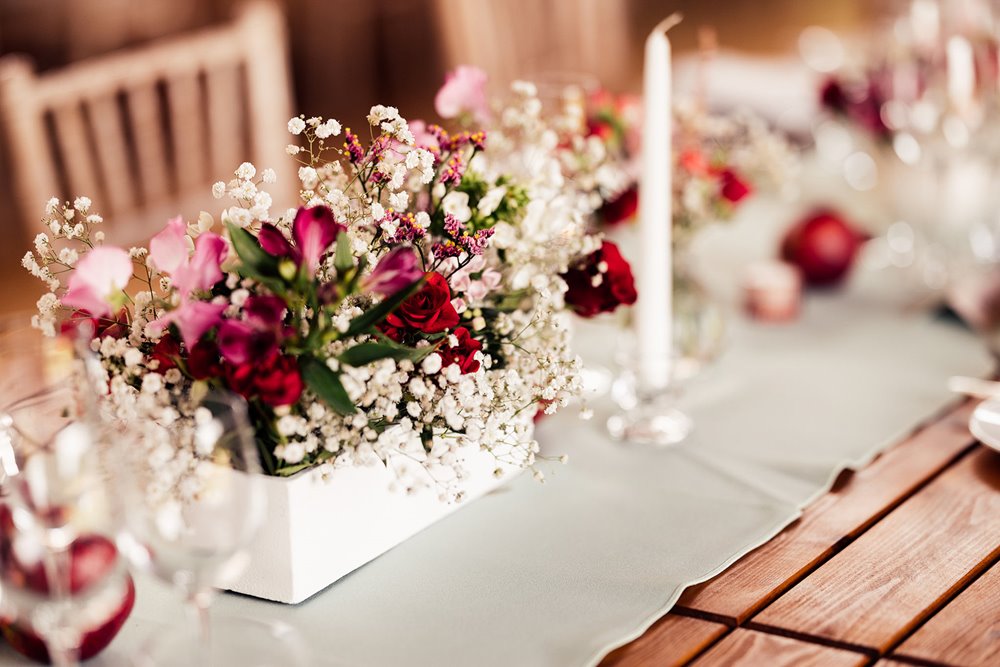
[[202, 271], [99, 277], [421, 137], [84, 297], [464, 91], [192, 319], [169, 249]]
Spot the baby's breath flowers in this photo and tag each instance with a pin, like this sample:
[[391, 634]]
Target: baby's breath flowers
[[412, 311]]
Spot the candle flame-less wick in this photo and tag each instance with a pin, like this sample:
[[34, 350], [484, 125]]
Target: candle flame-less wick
[[669, 22]]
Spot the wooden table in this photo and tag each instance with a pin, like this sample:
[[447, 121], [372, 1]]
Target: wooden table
[[897, 565]]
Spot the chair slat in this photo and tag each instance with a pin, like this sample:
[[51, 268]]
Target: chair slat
[[150, 146], [33, 171], [187, 124], [74, 145], [120, 196], [226, 122]]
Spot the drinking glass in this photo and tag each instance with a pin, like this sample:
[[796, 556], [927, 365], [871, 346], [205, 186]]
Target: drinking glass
[[193, 500], [61, 582]]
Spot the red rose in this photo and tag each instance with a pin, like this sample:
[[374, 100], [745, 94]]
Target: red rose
[[429, 310], [166, 351], [203, 360], [98, 327], [731, 187], [391, 332], [277, 380], [613, 275], [620, 209], [240, 378], [464, 353]]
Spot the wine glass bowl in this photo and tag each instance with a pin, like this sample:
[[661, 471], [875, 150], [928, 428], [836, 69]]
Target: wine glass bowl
[[193, 531], [193, 499]]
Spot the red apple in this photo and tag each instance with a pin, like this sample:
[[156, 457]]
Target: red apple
[[823, 246], [92, 559]]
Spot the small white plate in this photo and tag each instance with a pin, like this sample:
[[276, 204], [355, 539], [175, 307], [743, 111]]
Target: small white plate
[[985, 423]]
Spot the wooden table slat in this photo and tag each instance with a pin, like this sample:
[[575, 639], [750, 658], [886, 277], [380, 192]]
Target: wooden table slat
[[673, 640], [966, 632], [751, 648], [898, 572], [867, 494]]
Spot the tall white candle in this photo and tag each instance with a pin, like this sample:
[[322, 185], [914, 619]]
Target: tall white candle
[[655, 275]]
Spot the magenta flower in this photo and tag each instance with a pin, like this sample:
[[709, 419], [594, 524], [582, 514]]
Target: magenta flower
[[169, 251], [98, 280], [395, 271], [258, 336], [314, 231], [464, 91], [265, 311], [192, 319]]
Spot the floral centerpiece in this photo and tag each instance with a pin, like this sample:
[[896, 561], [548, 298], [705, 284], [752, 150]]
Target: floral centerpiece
[[720, 160], [410, 311]]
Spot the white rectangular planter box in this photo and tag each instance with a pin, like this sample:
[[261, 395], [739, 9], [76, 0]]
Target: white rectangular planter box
[[317, 530]]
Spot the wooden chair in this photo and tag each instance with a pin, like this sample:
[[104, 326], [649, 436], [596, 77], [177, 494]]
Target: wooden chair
[[145, 132], [511, 39]]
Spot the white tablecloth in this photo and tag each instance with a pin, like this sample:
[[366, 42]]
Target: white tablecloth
[[562, 572]]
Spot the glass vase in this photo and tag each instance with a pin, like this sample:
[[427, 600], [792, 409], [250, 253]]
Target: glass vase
[[699, 322]]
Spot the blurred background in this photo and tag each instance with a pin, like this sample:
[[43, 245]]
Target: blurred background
[[145, 104]]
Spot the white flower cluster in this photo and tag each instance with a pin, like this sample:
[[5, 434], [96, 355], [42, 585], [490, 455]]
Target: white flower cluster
[[56, 251], [553, 231], [252, 202]]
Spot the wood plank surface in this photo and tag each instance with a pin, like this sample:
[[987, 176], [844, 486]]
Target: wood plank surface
[[863, 498], [750, 648], [966, 632], [673, 640], [903, 569]]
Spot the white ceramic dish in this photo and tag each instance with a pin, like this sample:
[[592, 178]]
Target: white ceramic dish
[[985, 423]]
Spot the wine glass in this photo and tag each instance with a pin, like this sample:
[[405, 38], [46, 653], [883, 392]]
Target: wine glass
[[63, 585], [193, 500]]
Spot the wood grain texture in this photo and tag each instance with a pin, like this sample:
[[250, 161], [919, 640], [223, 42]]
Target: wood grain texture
[[900, 571], [850, 508], [966, 632], [750, 648], [673, 640]]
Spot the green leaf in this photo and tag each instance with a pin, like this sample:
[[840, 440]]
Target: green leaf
[[288, 471], [326, 384], [256, 263], [380, 310], [343, 258], [365, 353]]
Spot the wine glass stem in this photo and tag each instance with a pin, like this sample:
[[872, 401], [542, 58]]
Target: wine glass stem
[[199, 603], [61, 641]]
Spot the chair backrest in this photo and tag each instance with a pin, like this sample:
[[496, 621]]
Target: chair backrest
[[145, 132], [520, 38]]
